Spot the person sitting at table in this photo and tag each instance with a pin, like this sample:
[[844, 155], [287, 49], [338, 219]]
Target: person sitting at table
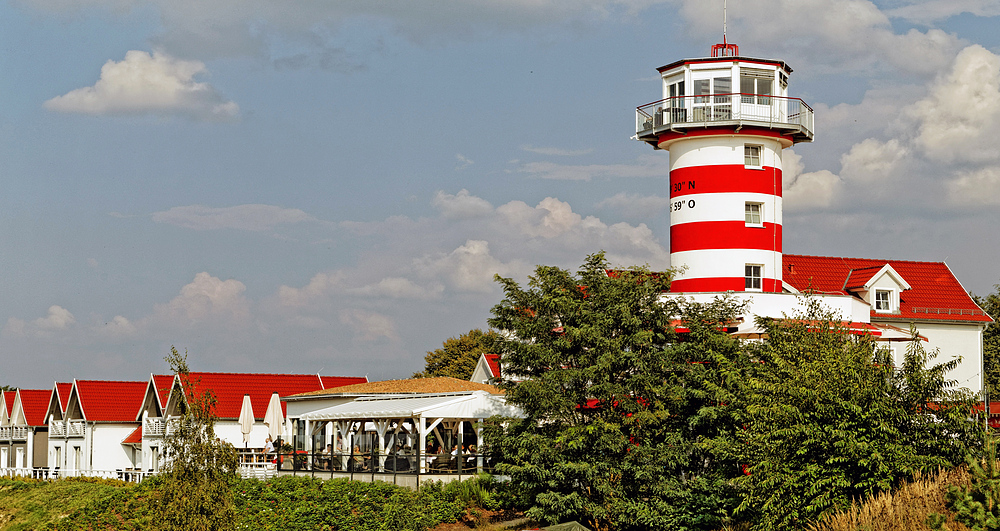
[[470, 461], [324, 457], [357, 462]]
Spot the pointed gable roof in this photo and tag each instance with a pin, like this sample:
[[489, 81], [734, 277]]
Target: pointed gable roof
[[8, 402], [154, 400], [58, 398], [934, 295], [229, 388], [63, 389], [493, 361], [107, 401], [31, 406]]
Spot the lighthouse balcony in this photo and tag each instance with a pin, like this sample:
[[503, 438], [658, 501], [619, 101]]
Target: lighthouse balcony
[[789, 116]]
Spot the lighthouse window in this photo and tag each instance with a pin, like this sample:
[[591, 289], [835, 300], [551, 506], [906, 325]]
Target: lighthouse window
[[753, 277], [751, 156], [756, 86], [753, 214]]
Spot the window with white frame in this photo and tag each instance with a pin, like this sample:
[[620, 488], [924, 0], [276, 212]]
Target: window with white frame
[[756, 86], [753, 276], [754, 214], [751, 155], [883, 300]]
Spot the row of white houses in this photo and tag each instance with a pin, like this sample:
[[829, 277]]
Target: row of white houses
[[102, 427], [117, 428]]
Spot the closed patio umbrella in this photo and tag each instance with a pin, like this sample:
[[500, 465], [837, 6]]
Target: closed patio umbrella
[[273, 418], [246, 419]]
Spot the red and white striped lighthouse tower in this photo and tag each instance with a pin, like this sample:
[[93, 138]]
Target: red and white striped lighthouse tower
[[725, 120]]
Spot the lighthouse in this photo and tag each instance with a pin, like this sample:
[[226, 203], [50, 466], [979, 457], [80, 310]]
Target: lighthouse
[[725, 120]]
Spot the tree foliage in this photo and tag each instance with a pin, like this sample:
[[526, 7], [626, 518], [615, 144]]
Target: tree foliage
[[458, 356], [624, 428], [193, 491], [991, 341], [832, 420], [631, 425]]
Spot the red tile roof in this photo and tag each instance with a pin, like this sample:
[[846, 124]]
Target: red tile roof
[[163, 383], [35, 404], [229, 388], [63, 389], [493, 360], [935, 294], [135, 437], [110, 401], [8, 400]]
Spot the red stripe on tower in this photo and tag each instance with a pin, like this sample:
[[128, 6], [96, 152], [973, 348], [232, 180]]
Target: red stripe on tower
[[724, 235]]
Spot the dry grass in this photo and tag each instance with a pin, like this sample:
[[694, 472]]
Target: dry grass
[[903, 509]]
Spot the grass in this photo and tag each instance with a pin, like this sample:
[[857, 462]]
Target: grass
[[33, 504], [903, 509]]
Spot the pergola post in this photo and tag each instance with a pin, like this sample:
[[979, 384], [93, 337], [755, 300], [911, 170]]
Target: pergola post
[[308, 445], [479, 445], [422, 451]]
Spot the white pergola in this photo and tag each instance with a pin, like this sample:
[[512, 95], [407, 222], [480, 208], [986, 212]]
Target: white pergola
[[405, 413]]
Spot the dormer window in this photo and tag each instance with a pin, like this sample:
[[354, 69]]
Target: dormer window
[[883, 300]]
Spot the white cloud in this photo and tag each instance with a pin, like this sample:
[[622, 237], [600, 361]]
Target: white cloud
[[56, 320], [558, 152], [319, 287], [551, 218], [831, 35], [148, 84], [117, 327], [207, 300], [399, 288], [976, 188], [929, 11], [241, 217], [462, 205], [469, 267], [463, 161], [648, 166], [369, 326], [871, 160], [960, 118]]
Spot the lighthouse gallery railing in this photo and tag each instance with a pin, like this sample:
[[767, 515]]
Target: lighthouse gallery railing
[[686, 111]]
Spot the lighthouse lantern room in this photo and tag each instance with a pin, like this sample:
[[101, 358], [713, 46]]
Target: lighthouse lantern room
[[725, 120]]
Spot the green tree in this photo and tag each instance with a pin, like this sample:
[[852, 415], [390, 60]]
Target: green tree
[[625, 428], [194, 490], [991, 342], [831, 420], [458, 356]]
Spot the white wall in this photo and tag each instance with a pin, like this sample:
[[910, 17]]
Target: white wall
[[779, 305], [954, 340], [108, 452]]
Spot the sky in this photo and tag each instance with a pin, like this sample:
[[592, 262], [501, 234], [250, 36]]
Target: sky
[[330, 187]]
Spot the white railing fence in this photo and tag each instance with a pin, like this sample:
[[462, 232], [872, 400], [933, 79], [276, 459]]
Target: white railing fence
[[694, 110]]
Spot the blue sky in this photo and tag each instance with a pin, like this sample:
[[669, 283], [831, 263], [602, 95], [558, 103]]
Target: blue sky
[[330, 186]]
